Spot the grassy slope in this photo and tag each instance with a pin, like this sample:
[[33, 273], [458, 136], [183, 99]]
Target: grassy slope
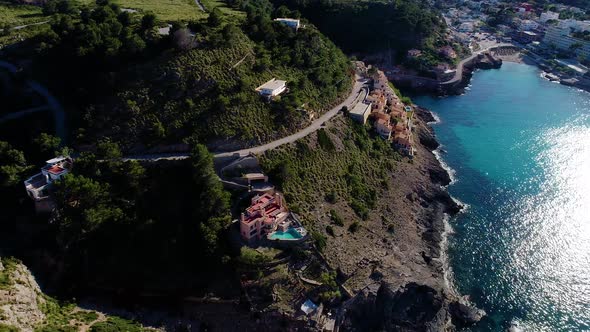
[[64, 317], [202, 96], [14, 15], [166, 10], [223, 7], [346, 163]]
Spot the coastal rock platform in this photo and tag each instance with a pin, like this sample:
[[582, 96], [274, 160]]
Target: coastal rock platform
[[411, 293]]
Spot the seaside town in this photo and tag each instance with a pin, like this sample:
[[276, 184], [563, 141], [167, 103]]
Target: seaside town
[[555, 37]]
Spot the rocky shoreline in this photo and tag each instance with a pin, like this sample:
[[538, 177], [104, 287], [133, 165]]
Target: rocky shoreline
[[419, 298], [399, 277]]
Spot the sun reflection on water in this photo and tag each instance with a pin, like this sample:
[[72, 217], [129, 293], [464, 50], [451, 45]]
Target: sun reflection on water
[[551, 232]]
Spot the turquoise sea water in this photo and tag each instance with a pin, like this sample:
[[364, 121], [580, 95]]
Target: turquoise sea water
[[519, 148]]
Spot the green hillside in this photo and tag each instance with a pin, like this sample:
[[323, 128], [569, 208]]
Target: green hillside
[[196, 84], [371, 26]]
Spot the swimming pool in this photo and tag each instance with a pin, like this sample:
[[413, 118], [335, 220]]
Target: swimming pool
[[290, 234]]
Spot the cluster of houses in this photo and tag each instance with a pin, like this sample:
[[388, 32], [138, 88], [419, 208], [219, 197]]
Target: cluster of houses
[[392, 120]]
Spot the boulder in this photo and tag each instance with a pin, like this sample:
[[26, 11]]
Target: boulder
[[412, 307], [439, 176], [464, 315]]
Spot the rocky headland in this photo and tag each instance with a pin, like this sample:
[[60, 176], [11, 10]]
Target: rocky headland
[[406, 288]]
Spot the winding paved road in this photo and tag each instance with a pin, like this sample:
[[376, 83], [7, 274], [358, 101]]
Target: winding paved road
[[315, 125], [459, 73], [52, 104]]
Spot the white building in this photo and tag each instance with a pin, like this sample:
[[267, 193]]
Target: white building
[[575, 25], [290, 22], [272, 88], [546, 16], [562, 39], [37, 186]]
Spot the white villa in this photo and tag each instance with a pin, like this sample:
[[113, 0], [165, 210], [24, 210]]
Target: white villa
[[290, 22], [37, 185], [272, 88]]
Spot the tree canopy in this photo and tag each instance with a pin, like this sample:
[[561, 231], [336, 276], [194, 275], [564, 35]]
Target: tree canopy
[[13, 165]]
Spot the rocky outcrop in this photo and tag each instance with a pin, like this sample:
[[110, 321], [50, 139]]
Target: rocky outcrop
[[419, 300], [20, 298], [487, 61], [464, 314], [412, 307]]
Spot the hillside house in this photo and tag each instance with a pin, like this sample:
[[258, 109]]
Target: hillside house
[[272, 88], [265, 214], [38, 185], [383, 125], [377, 98], [290, 22], [380, 82]]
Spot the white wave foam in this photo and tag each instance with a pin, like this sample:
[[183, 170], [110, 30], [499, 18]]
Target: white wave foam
[[464, 205], [448, 277], [444, 165], [436, 118]]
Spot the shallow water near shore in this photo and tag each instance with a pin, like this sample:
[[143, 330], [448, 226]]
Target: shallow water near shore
[[520, 150]]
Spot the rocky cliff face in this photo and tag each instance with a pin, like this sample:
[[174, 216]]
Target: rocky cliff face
[[19, 297], [411, 307], [413, 295]]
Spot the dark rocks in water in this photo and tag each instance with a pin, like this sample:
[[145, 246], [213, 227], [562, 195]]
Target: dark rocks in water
[[424, 114], [426, 136], [451, 207], [439, 176], [412, 307], [428, 140], [487, 61], [464, 315]]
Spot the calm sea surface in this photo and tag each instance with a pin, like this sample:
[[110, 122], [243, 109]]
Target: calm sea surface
[[519, 148]]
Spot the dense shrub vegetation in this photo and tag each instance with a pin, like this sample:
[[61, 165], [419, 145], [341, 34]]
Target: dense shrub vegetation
[[353, 173], [160, 222], [141, 88], [368, 26]]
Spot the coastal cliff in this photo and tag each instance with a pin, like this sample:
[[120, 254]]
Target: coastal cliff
[[388, 251], [415, 295]]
